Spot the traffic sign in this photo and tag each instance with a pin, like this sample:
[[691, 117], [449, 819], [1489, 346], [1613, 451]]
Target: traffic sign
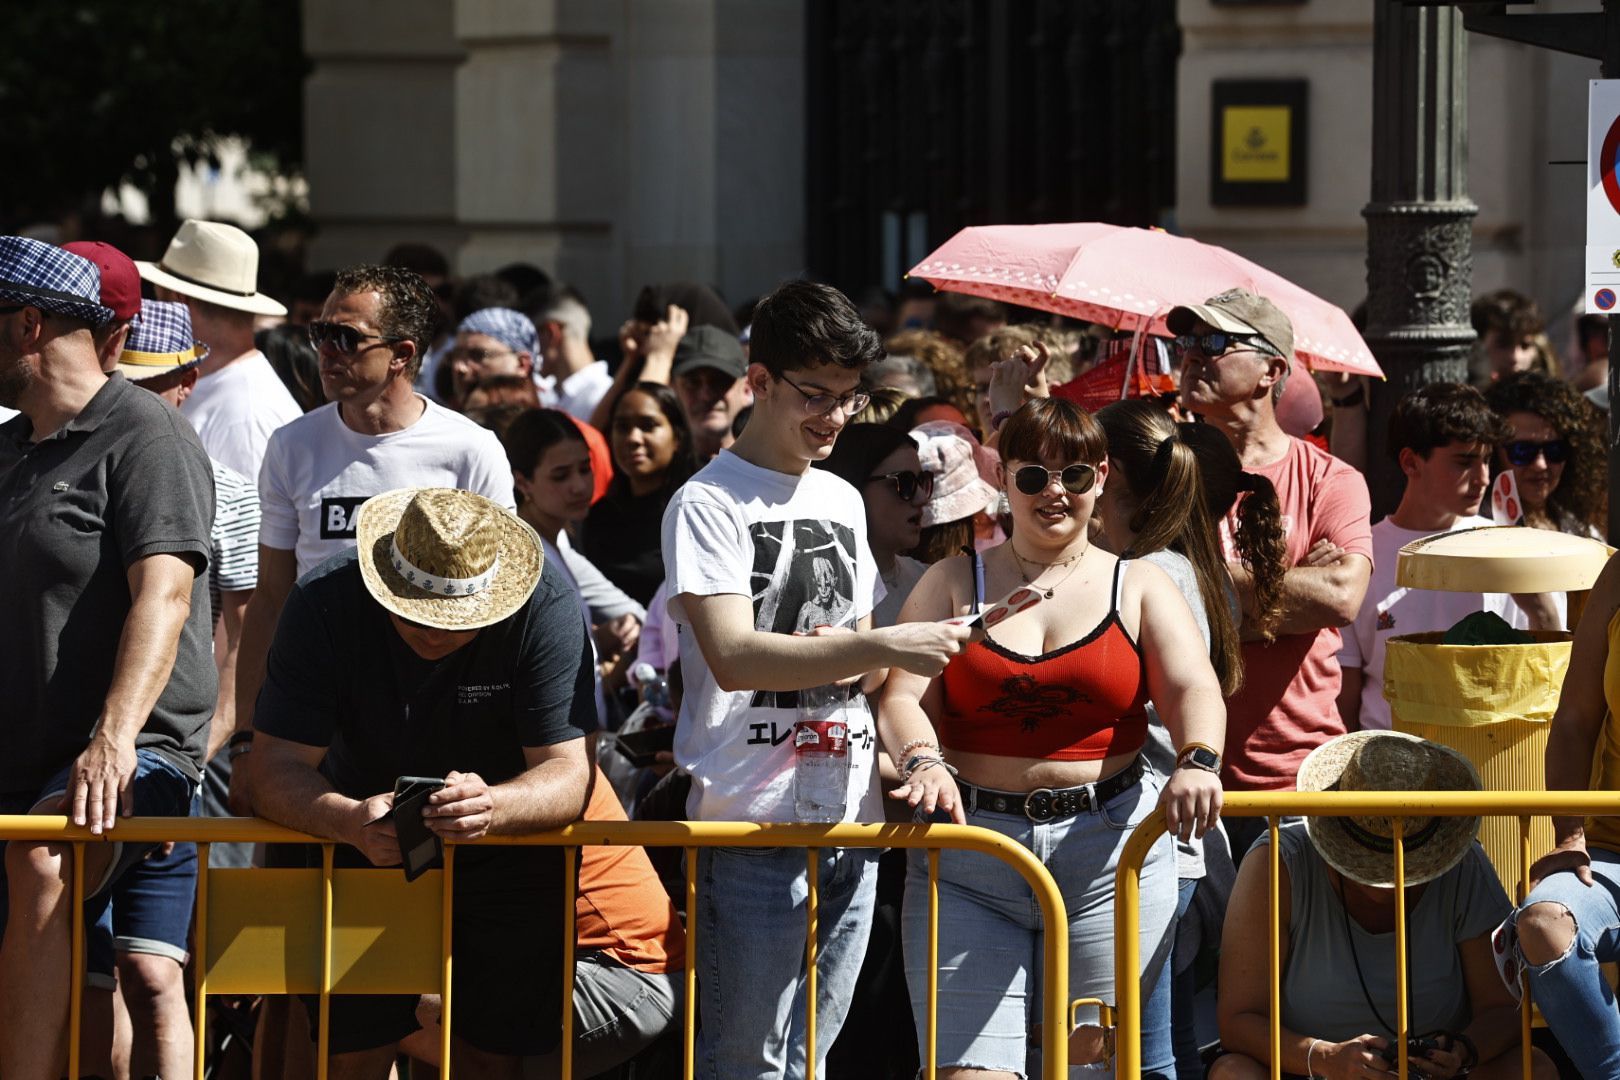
[[1602, 196]]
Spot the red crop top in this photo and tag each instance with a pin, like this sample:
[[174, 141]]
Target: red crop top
[[1080, 702]]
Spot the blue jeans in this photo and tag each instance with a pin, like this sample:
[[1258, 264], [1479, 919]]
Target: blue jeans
[[990, 934], [1571, 990], [1183, 998], [750, 956]]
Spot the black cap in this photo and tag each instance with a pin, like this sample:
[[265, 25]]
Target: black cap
[[710, 347]]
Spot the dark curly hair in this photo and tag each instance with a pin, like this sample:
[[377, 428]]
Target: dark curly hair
[[1440, 413], [408, 310], [803, 323], [1581, 491]]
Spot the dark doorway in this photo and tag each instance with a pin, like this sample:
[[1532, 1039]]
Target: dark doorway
[[928, 115]]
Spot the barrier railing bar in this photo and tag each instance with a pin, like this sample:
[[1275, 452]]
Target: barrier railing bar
[[446, 913], [1402, 1020], [200, 964], [1399, 805], [689, 1037], [76, 952], [933, 963], [570, 887], [1274, 950], [812, 917], [56, 828], [323, 1039], [1527, 1065]]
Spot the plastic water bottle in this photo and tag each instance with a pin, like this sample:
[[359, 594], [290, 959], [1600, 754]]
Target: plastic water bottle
[[821, 754]]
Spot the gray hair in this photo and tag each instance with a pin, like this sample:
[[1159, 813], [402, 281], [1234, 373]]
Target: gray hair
[[569, 312], [905, 373]]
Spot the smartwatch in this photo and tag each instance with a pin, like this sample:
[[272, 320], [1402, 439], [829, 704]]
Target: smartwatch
[[1199, 756]]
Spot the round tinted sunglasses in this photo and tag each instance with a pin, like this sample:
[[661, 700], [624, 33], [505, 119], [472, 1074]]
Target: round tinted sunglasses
[[344, 338], [1525, 452], [907, 484], [1076, 479]]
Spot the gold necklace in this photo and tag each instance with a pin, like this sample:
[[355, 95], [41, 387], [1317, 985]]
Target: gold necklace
[[1072, 562]]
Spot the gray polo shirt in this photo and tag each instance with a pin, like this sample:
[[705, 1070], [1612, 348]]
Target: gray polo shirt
[[125, 479]]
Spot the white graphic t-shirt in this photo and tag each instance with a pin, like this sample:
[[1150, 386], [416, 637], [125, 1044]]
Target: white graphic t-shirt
[[796, 547], [317, 471]]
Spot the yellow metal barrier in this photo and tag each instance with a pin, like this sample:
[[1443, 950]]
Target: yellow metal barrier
[[244, 916], [1279, 804]]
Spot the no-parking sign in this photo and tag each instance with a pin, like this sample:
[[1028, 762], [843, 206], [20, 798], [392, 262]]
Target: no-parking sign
[[1603, 197]]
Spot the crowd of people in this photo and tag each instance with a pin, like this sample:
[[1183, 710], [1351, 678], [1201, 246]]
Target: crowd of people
[[291, 562]]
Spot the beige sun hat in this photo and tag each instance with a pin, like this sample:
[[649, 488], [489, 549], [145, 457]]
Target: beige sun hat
[[444, 558], [1362, 848], [212, 261]]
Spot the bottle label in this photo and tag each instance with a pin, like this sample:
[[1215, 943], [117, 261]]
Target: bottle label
[[826, 736]]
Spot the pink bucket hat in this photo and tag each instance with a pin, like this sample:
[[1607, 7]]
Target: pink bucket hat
[[965, 473]]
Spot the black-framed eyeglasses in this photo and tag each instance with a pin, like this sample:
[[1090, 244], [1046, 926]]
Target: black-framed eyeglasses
[[1076, 479], [908, 484], [1524, 452], [1217, 342], [822, 404], [344, 338]]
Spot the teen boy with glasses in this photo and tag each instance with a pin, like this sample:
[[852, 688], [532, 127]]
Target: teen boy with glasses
[[375, 434], [751, 543], [1237, 353]]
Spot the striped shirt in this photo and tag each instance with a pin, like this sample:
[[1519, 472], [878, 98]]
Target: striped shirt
[[235, 535]]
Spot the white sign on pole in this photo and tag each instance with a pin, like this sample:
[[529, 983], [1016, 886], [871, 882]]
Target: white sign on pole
[[1603, 198]]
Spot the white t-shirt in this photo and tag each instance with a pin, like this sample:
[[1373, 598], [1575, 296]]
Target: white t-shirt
[[796, 547], [317, 471], [579, 394], [1389, 610], [236, 408]]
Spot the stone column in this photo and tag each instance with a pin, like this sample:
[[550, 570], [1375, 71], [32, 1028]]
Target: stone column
[[1420, 219]]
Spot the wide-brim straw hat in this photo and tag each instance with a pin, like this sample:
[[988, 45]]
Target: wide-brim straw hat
[[445, 558], [214, 262], [1362, 848]]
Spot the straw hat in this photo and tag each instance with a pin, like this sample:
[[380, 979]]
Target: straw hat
[[215, 262], [446, 558], [1362, 848]]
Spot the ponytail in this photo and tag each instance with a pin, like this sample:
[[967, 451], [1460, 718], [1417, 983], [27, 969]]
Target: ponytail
[[1262, 546]]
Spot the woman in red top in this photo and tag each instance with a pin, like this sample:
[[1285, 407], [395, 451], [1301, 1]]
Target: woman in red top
[[1036, 731]]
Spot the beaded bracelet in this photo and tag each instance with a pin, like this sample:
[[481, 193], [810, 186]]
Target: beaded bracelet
[[916, 744]]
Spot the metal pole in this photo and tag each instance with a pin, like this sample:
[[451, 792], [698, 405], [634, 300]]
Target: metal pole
[[1420, 219]]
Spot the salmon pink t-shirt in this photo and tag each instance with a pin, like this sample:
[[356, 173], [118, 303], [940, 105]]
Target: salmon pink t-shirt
[[1287, 706]]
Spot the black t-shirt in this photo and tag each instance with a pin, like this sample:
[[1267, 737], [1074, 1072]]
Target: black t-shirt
[[340, 676], [622, 540], [124, 480]]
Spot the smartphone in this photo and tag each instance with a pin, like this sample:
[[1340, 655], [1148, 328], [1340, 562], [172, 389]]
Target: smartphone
[[642, 747], [419, 847]]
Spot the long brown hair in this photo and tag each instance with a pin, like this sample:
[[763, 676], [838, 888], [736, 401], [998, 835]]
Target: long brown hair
[[1163, 479], [1261, 542]]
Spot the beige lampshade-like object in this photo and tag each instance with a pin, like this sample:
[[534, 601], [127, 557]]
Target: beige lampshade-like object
[[1502, 559]]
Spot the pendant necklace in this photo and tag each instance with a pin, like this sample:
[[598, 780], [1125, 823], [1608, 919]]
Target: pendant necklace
[[1047, 592]]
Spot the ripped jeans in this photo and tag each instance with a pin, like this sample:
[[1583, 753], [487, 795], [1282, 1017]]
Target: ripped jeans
[[1571, 990]]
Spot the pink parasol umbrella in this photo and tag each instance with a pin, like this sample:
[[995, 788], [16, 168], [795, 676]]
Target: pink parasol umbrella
[[1130, 279]]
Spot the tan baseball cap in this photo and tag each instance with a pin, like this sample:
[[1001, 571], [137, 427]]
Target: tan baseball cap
[[1238, 311]]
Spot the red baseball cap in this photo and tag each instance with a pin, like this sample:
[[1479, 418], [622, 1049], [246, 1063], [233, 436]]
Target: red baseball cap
[[120, 281]]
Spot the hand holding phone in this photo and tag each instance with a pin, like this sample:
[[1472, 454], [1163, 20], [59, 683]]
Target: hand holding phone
[[462, 809], [419, 848]]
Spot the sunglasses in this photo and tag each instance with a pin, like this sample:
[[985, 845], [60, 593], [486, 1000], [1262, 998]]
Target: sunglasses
[[343, 338], [1217, 342], [1076, 479], [907, 484], [822, 404], [1525, 452]]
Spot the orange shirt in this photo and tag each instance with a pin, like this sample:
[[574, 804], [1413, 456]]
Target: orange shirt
[[621, 907]]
